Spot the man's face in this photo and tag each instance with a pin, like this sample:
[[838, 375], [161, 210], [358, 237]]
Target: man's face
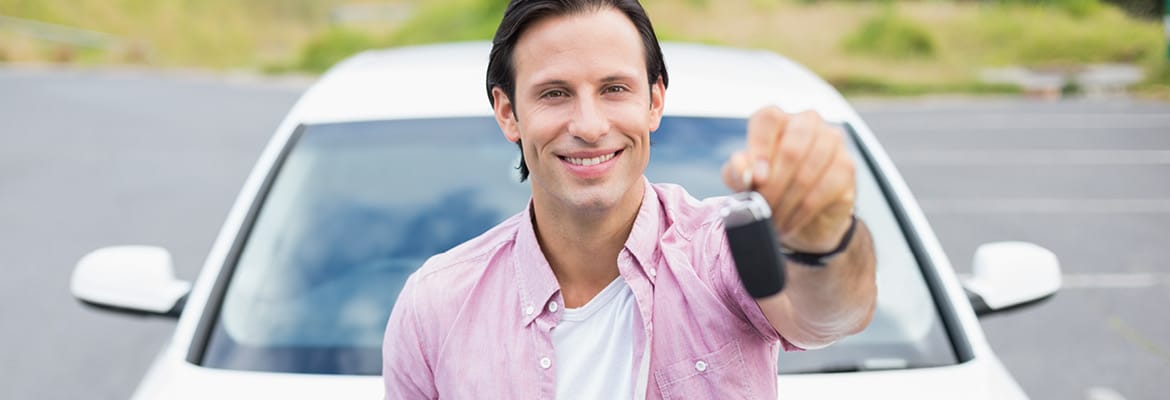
[[584, 110]]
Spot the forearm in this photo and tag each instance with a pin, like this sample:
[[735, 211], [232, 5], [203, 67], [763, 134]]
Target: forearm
[[823, 304]]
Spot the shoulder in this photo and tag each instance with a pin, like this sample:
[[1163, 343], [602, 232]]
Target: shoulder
[[433, 295], [450, 271], [687, 215], [693, 228], [441, 286]]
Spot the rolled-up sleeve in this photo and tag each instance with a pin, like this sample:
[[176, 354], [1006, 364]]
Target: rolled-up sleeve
[[406, 373]]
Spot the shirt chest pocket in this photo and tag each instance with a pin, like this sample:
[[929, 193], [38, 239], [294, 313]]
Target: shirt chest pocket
[[720, 374]]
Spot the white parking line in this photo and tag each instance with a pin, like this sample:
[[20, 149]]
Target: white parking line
[[894, 123], [1135, 280], [1030, 157], [1113, 281], [1045, 206], [1102, 393]]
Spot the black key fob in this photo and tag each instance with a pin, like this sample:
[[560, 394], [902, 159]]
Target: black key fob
[[752, 238]]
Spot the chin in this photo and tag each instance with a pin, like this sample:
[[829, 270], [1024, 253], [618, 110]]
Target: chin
[[596, 202], [605, 197], [599, 195]]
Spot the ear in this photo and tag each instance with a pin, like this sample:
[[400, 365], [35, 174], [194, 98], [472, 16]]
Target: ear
[[657, 103], [505, 114]]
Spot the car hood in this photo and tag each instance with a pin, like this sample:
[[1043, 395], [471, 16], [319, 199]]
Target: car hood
[[175, 379], [984, 379]]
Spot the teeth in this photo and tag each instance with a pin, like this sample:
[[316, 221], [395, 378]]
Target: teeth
[[590, 161]]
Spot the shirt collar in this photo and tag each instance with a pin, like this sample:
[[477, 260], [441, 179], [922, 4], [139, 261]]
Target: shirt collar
[[647, 230], [536, 279]]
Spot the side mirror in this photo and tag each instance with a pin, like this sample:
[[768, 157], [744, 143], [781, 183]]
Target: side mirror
[[1010, 275], [131, 279]]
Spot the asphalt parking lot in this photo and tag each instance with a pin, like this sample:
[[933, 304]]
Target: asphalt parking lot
[[90, 159], [1089, 180]]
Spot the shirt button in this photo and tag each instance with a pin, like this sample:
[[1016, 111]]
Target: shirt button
[[529, 310], [653, 272], [552, 306], [545, 363], [701, 366]]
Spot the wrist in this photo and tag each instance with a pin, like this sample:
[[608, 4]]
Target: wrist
[[820, 259]]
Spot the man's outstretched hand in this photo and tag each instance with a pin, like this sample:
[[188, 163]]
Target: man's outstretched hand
[[799, 163]]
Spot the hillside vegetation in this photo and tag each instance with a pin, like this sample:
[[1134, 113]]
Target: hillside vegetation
[[881, 47]]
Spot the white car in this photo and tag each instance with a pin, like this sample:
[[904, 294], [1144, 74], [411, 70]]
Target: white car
[[394, 156]]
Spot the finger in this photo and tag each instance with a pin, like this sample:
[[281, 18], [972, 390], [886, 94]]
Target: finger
[[790, 151], [827, 142], [763, 131], [737, 172], [834, 197]]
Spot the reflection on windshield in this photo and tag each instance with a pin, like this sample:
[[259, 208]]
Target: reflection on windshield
[[357, 207]]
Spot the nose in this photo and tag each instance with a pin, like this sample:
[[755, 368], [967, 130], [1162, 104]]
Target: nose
[[589, 122]]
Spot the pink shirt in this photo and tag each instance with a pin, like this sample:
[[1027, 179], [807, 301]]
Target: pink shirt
[[475, 322]]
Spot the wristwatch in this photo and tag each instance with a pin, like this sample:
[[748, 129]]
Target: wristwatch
[[822, 259]]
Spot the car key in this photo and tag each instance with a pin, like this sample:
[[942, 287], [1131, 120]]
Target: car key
[[747, 218]]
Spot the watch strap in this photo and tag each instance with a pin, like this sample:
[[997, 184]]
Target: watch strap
[[822, 259]]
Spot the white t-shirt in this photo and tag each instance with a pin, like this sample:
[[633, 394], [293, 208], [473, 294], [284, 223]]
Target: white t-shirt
[[595, 348]]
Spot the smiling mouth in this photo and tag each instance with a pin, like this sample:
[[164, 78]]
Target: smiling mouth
[[585, 162]]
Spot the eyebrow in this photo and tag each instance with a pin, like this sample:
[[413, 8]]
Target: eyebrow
[[607, 79], [616, 78], [551, 82]]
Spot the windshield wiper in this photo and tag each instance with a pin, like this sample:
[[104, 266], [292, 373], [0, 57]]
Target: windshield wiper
[[871, 364]]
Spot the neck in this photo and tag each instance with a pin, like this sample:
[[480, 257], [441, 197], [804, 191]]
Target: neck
[[582, 246]]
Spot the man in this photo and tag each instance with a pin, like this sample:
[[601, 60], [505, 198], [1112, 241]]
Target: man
[[610, 287]]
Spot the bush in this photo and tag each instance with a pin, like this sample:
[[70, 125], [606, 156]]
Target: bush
[[334, 45], [1034, 36], [891, 36], [452, 20], [1158, 73], [1075, 8]]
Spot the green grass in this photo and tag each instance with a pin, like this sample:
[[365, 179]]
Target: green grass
[[218, 34], [1157, 84], [869, 85]]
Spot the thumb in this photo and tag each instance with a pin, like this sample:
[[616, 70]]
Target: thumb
[[737, 172]]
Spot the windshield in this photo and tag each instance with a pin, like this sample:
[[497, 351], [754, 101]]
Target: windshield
[[357, 207]]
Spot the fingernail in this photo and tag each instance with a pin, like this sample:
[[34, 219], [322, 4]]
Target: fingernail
[[761, 169]]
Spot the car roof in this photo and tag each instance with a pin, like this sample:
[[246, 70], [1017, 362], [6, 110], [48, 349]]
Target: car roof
[[446, 80]]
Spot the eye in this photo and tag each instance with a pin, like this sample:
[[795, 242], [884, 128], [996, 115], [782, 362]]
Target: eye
[[555, 93], [615, 89]]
